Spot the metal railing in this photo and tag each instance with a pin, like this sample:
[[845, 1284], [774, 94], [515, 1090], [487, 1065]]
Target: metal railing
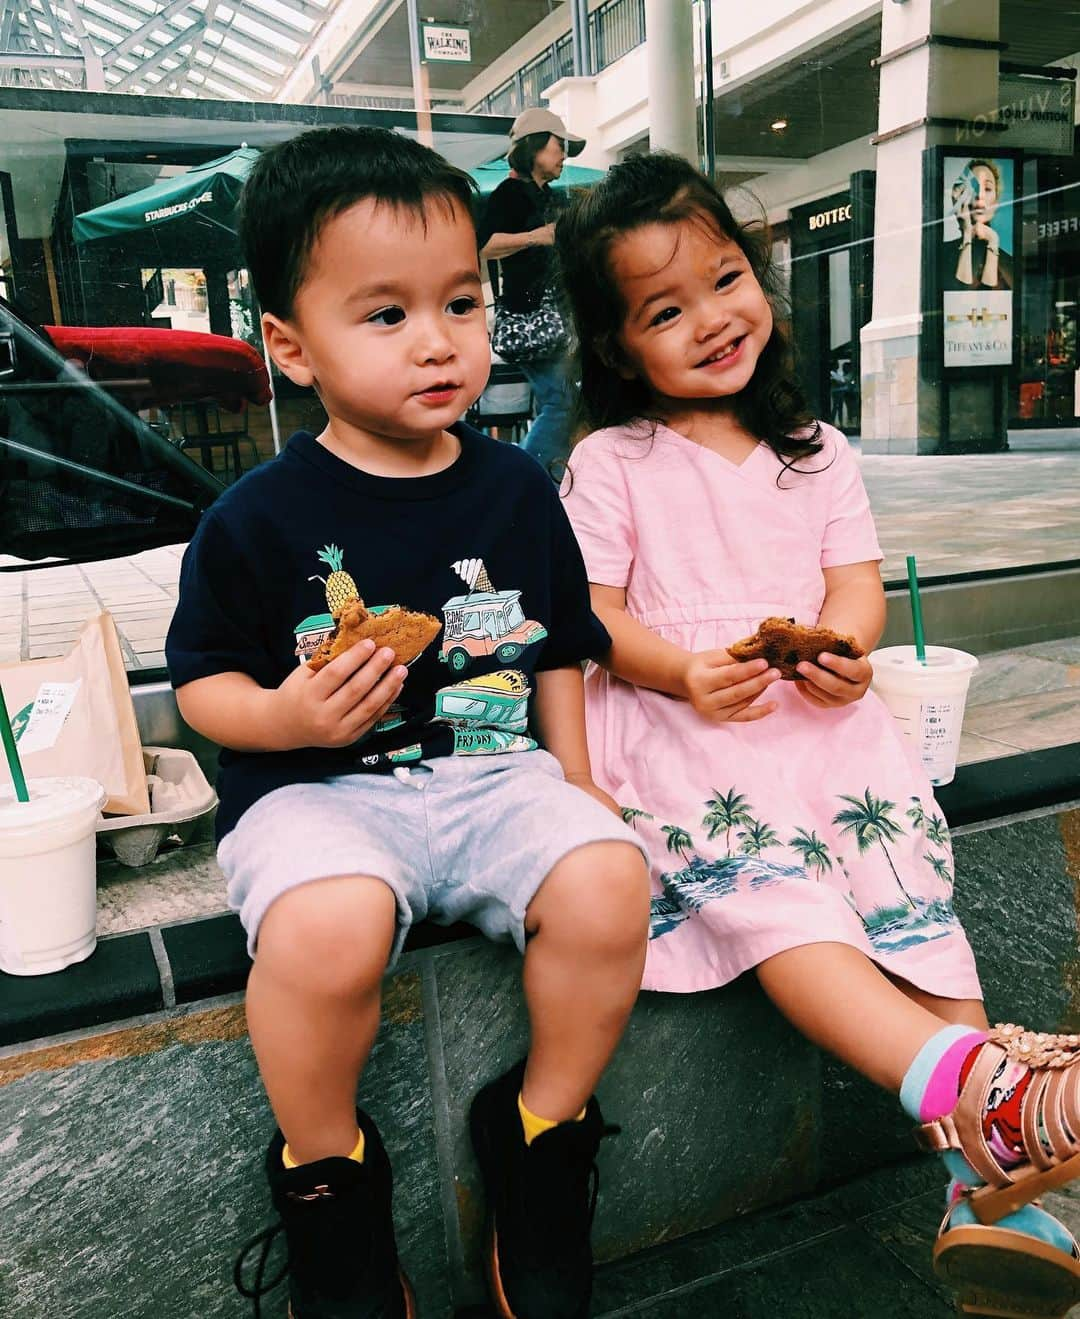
[[615, 29]]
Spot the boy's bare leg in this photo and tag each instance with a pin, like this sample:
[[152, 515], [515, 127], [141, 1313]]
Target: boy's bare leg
[[588, 924], [840, 1000], [313, 1006]]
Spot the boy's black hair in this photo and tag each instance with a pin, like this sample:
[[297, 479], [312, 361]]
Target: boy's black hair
[[664, 188], [298, 185]]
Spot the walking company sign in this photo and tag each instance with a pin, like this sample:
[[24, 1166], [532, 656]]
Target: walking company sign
[[446, 45]]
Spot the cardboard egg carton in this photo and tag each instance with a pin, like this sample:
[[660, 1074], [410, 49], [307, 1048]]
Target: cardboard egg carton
[[180, 797]]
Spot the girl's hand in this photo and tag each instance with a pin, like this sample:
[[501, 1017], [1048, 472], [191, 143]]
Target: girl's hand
[[836, 682], [724, 691], [341, 703]]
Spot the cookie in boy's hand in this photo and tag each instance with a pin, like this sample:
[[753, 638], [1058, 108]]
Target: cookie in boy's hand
[[786, 644], [405, 632]]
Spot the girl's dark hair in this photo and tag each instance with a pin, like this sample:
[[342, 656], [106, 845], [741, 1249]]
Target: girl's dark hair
[[664, 188], [522, 155], [300, 184]]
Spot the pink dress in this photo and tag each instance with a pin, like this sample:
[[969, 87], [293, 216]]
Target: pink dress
[[809, 826]]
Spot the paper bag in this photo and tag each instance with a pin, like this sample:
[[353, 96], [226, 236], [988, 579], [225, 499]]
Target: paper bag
[[73, 714]]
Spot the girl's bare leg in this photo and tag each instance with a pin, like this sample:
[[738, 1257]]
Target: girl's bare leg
[[841, 1001]]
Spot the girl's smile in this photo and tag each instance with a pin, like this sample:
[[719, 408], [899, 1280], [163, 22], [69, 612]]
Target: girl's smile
[[724, 357], [697, 320]]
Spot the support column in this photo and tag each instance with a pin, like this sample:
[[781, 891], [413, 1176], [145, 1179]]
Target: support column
[[905, 409], [421, 101], [669, 52]]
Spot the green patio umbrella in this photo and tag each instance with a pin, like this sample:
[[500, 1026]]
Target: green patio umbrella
[[488, 177], [209, 191]]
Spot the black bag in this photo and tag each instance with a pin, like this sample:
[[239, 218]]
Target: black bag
[[530, 336]]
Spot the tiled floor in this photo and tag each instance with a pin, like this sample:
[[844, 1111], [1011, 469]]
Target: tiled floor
[[43, 609], [1023, 700], [859, 1252]]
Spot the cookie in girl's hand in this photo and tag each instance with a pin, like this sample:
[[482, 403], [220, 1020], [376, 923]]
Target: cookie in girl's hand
[[786, 644]]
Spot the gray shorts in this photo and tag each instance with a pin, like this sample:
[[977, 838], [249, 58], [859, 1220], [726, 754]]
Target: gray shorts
[[455, 838]]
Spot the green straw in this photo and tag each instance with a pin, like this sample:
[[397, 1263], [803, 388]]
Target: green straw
[[11, 752], [916, 609]]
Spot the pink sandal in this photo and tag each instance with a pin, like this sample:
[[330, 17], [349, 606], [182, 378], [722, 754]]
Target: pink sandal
[[1051, 1118], [993, 1270]]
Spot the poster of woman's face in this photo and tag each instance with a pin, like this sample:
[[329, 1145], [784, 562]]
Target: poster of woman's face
[[978, 200], [977, 260]]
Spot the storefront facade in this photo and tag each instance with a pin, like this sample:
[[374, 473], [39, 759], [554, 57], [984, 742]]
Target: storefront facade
[[830, 290], [1044, 391]]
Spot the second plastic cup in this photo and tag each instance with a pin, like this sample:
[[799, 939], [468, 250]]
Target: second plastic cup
[[48, 875], [927, 700]]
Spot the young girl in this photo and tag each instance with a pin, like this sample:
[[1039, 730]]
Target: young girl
[[792, 829]]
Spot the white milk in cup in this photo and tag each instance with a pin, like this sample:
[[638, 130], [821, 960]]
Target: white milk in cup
[[927, 700], [48, 874]]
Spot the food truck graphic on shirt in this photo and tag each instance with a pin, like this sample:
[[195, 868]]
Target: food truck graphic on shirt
[[489, 714], [485, 621]]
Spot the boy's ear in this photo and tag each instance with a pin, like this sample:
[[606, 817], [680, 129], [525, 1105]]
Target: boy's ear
[[286, 348]]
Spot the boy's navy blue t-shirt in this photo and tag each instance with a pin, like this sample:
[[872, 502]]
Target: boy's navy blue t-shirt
[[484, 546]]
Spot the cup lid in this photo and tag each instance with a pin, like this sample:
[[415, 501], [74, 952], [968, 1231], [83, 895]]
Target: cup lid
[[939, 659], [50, 799]]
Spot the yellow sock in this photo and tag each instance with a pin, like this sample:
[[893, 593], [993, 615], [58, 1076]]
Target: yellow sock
[[534, 1126], [357, 1154]]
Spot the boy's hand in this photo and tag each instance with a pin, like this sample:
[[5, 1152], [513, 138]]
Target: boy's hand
[[837, 682], [585, 783], [338, 705], [724, 690]]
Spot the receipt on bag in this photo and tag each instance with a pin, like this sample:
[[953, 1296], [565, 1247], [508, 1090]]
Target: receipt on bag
[[51, 707]]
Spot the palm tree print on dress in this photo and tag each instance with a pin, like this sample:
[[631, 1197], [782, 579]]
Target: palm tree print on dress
[[814, 853], [678, 840], [871, 821], [632, 813], [937, 831], [724, 812], [756, 837], [940, 865], [916, 813]]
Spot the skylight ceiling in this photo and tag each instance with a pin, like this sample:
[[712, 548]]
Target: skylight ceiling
[[232, 49]]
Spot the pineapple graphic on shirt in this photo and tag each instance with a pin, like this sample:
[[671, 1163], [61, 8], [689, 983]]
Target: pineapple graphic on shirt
[[340, 587]]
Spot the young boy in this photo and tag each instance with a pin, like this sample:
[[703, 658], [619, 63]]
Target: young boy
[[365, 796]]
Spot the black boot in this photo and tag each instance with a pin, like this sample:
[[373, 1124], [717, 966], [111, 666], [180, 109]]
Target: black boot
[[540, 1199], [339, 1232]]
